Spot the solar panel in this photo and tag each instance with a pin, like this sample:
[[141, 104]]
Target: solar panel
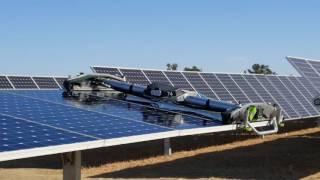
[[246, 87], [107, 70], [46, 82], [4, 83], [199, 84], [19, 134], [156, 76], [281, 101], [233, 88], [127, 110], [178, 80], [135, 76], [307, 69], [90, 123], [308, 86], [22, 82], [218, 87], [60, 80], [288, 95], [300, 93]]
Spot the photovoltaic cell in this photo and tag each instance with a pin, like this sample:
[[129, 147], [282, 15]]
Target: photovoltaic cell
[[199, 84], [4, 83], [178, 80], [135, 76], [233, 88], [107, 70], [301, 97], [60, 80], [303, 67], [19, 134], [280, 99], [156, 76], [288, 95], [246, 88], [22, 82], [217, 87], [46, 82]]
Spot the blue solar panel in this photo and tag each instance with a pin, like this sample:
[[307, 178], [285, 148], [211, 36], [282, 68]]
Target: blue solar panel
[[178, 80], [18, 134], [127, 110], [60, 80], [232, 87], [199, 84], [247, 88], [217, 87]]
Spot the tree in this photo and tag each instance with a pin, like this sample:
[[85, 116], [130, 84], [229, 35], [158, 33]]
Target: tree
[[193, 68], [260, 69], [172, 67]]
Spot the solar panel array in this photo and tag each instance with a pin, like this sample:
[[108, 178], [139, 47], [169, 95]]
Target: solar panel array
[[293, 94], [28, 82]]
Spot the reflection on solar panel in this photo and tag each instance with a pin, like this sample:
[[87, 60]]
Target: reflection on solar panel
[[199, 84], [107, 70], [217, 87], [279, 98], [233, 88], [46, 82], [4, 83], [178, 80], [156, 76], [135, 76], [60, 80], [22, 82], [246, 87]]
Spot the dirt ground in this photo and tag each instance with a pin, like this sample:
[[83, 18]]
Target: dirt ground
[[291, 154]]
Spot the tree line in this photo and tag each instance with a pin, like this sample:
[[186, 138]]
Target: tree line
[[255, 68]]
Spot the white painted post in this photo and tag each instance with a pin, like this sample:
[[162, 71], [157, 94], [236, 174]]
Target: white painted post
[[71, 162], [167, 146]]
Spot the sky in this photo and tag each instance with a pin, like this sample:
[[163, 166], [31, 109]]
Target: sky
[[42, 37]]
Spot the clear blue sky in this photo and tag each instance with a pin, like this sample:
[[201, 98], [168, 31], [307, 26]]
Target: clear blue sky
[[66, 37]]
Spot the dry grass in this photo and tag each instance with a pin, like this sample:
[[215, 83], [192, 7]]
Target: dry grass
[[292, 155]]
